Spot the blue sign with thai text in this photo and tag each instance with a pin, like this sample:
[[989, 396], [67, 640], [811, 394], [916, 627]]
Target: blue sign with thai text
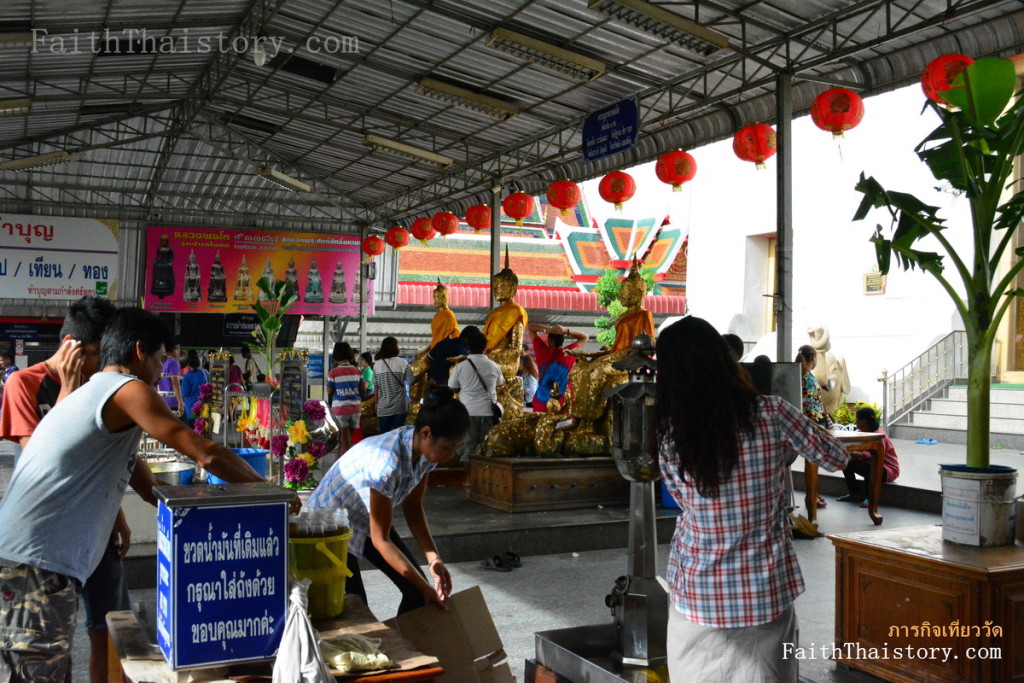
[[611, 130], [315, 367], [222, 583]]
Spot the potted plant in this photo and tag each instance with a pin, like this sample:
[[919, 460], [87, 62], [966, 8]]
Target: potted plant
[[274, 300], [973, 150]]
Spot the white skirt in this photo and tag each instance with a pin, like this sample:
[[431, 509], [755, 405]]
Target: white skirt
[[698, 654]]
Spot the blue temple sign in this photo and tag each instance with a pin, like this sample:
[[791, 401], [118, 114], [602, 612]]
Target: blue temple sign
[[222, 583], [611, 130]]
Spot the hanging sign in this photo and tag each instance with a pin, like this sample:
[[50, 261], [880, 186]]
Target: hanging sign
[[611, 130], [197, 270], [57, 258]]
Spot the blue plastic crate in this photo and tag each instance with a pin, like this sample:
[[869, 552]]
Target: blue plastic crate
[[256, 457]]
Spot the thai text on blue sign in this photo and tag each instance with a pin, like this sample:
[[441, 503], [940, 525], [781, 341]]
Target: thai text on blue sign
[[611, 130], [315, 367], [222, 585]]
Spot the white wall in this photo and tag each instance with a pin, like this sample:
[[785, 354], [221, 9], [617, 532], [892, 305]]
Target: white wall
[[729, 201]]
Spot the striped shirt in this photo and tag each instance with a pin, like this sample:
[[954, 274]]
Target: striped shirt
[[383, 463], [390, 377], [343, 381], [731, 562]]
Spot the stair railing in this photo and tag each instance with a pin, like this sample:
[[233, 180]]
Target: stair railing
[[924, 378]]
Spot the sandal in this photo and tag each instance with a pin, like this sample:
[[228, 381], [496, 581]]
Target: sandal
[[850, 498], [821, 503], [512, 560], [497, 563]]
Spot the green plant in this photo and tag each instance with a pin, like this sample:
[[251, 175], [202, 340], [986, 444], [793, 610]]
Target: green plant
[[845, 415], [270, 308], [973, 149], [607, 289]]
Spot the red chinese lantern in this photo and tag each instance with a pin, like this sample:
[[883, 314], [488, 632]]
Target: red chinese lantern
[[755, 142], [478, 217], [675, 168], [397, 237], [445, 223], [939, 75], [564, 194], [518, 205], [837, 110], [423, 230], [372, 246], [617, 187]]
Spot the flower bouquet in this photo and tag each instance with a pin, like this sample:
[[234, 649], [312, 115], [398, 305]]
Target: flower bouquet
[[201, 409], [308, 440]]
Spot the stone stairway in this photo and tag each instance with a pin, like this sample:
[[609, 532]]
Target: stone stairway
[[945, 419]]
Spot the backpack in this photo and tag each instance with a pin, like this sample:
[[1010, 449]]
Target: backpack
[[554, 373]]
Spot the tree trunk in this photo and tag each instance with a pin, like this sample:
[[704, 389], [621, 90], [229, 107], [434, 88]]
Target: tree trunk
[[979, 378]]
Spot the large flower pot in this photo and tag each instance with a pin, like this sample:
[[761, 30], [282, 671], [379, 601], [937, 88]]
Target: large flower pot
[[978, 504]]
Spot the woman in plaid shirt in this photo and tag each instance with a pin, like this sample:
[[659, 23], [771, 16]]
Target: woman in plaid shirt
[[732, 570]]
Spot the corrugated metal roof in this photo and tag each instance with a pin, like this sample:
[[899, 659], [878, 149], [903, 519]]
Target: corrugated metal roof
[[183, 131]]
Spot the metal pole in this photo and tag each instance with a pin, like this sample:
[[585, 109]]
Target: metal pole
[[364, 232], [495, 231], [784, 219]]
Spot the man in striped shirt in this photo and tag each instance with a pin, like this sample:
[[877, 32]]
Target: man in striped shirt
[[344, 393]]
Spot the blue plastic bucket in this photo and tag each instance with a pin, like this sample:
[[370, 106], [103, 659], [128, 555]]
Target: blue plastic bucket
[[256, 457], [667, 501]]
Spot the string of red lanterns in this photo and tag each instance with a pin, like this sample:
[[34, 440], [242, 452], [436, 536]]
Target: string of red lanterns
[[397, 237], [940, 73], [372, 246], [564, 195], [445, 223], [518, 206], [837, 110], [755, 142]]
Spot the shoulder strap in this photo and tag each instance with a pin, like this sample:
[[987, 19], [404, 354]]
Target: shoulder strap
[[392, 372], [479, 376]]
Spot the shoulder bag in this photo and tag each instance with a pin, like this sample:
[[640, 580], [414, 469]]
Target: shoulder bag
[[496, 408]]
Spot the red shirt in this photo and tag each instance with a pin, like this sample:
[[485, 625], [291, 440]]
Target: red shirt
[[545, 354], [28, 396]]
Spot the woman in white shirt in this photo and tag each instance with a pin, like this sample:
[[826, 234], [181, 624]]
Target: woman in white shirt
[[391, 375]]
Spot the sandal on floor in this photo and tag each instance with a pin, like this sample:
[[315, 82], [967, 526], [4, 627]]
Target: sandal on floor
[[821, 503], [864, 504], [849, 498], [497, 563], [512, 560]]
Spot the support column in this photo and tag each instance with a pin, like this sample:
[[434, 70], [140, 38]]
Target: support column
[[783, 301], [495, 231], [364, 232]]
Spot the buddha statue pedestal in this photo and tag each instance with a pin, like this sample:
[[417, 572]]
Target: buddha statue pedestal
[[527, 484]]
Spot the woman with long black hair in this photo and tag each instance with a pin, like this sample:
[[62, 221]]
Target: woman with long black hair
[[732, 570]]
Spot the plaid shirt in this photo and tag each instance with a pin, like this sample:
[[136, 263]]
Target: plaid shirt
[[383, 463], [732, 562]]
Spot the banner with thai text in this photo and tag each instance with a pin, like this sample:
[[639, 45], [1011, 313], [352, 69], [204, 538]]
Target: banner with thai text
[[57, 258], [199, 270]]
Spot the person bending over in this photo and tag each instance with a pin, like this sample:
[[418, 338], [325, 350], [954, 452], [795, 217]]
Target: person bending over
[[861, 461], [390, 470]]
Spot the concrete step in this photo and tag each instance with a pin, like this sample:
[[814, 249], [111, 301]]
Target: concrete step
[[959, 393], [913, 432], [947, 406], [945, 421]]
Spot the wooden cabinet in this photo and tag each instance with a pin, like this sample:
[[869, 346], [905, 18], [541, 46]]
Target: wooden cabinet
[[526, 484], [910, 577]]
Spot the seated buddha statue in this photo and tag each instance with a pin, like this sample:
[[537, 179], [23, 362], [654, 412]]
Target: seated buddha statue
[[243, 288], [191, 292], [268, 275], [504, 331], [314, 285], [291, 278], [218, 290], [594, 374], [443, 326]]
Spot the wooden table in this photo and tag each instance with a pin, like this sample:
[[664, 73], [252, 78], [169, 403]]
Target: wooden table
[[854, 441], [900, 588], [143, 661]]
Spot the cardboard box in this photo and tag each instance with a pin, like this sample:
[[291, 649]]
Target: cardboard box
[[464, 639]]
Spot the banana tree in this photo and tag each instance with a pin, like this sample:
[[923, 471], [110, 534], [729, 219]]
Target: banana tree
[[270, 309], [973, 150]]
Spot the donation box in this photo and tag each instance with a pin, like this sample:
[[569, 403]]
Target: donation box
[[222, 572]]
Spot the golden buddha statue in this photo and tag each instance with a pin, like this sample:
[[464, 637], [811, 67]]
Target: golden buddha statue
[[582, 426], [504, 331], [443, 326]]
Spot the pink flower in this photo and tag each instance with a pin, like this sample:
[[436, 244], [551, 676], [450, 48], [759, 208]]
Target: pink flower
[[296, 470], [205, 391], [314, 411], [197, 407], [278, 444], [199, 427], [317, 449]]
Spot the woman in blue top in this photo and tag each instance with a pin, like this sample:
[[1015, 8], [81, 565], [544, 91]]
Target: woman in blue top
[[391, 469]]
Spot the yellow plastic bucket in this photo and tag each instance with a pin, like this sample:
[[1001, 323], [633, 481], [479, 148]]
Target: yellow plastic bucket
[[322, 560]]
